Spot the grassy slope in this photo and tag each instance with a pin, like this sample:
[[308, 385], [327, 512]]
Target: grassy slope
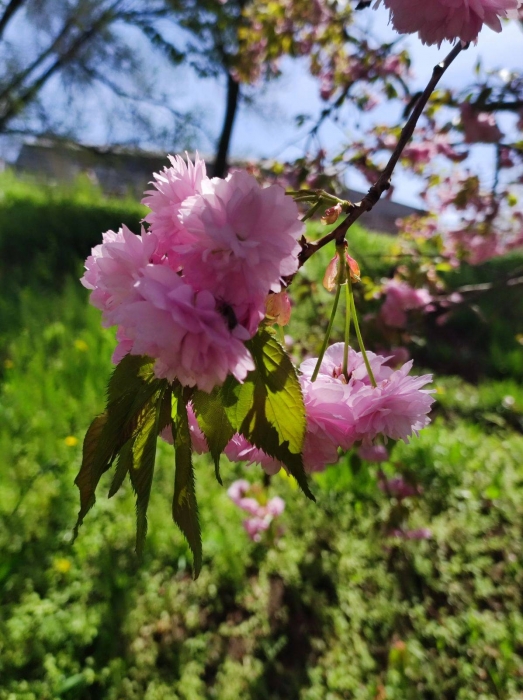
[[337, 609]]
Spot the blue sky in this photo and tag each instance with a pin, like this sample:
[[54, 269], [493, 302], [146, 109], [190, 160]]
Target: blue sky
[[271, 132], [267, 128]]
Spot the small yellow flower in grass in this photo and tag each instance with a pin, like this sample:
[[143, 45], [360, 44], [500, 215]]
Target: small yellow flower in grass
[[71, 441], [63, 566], [81, 345], [519, 338], [9, 364]]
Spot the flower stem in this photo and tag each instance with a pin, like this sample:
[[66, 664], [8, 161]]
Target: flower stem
[[310, 212], [345, 368], [341, 277], [358, 335]]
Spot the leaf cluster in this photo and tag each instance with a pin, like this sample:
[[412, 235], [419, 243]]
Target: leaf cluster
[[267, 409]]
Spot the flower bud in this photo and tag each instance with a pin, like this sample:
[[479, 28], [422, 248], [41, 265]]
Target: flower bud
[[278, 308], [331, 274], [331, 214], [354, 268], [330, 278]]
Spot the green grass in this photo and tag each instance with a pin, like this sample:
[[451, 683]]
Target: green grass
[[337, 608]]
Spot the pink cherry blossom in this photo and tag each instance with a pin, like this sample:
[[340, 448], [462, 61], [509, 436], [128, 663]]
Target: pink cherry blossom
[[183, 331], [262, 514], [198, 441], [421, 533], [373, 453], [397, 407], [332, 363], [397, 487], [479, 127], [397, 356], [238, 449], [243, 239], [437, 20], [255, 526], [113, 268], [401, 297], [172, 186], [318, 449], [330, 418]]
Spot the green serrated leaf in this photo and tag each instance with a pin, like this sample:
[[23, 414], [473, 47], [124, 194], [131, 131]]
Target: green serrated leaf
[[285, 407], [165, 417], [130, 389], [123, 466], [143, 459], [185, 507], [214, 422], [86, 480], [267, 409], [129, 376]]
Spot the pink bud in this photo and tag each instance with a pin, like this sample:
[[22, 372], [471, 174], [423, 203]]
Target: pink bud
[[278, 308], [330, 278], [331, 214], [354, 268], [331, 274]]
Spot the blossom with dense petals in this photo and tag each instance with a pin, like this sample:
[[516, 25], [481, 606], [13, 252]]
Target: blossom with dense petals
[[437, 20], [172, 186], [331, 366], [198, 441], [479, 127], [329, 415], [238, 449], [262, 515], [396, 408], [114, 267], [242, 240], [401, 297], [373, 453], [397, 487], [183, 331]]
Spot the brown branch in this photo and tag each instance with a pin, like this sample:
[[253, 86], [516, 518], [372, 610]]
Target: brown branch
[[9, 11], [509, 106], [383, 182], [18, 103]]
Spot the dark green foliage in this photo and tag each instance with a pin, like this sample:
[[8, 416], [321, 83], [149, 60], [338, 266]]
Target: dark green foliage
[[267, 408], [185, 508], [213, 420], [127, 430]]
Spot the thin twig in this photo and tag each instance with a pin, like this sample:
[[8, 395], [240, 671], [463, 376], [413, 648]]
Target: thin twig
[[383, 182]]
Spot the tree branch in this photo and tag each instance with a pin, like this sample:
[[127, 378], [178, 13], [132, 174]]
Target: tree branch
[[9, 11], [18, 103], [383, 182]]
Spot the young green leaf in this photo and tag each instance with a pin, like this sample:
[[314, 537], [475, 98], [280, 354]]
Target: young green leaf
[[123, 466], [85, 479], [185, 508], [267, 409], [214, 423], [143, 458], [130, 389]]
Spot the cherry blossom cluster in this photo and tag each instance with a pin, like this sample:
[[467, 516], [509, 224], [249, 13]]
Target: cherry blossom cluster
[[438, 20], [262, 512], [192, 287], [342, 411]]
